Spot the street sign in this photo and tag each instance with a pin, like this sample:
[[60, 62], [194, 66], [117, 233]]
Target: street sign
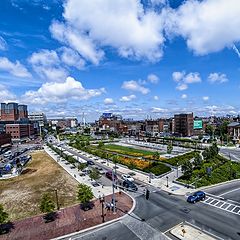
[[197, 124]]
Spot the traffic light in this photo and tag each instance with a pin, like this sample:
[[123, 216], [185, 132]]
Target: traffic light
[[147, 194]]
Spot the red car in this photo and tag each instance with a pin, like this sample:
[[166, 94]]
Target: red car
[[109, 175]]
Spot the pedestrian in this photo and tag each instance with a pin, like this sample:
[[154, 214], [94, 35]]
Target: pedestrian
[[108, 206], [75, 175]]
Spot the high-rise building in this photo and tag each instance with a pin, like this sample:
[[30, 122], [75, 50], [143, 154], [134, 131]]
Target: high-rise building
[[9, 111], [23, 112], [183, 124], [38, 117]]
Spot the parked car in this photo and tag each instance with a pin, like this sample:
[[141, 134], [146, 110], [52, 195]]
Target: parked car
[[100, 170], [90, 162], [130, 185], [127, 177], [197, 196], [109, 175], [95, 184]]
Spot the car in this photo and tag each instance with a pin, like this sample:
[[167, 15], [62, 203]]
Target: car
[[132, 173], [127, 177], [130, 185], [90, 162], [100, 170], [109, 175], [197, 196], [95, 184]]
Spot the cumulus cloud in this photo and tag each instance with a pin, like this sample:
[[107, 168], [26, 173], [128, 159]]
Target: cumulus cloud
[[183, 79], [55, 92], [127, 98], [217, 78], [158, 110], [3, 44], [208, 26], [156, 98], [16, 69], [6, 95], [108, 101], [71, 58], [46, 64], [184, 96], [135, 86], [152, 78], [205, 98], [123, 25]]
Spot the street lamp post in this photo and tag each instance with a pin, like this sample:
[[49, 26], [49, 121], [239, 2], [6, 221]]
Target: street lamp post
[[114, 174], [177, 170], [167, 180], [56, 193], [102, 201]]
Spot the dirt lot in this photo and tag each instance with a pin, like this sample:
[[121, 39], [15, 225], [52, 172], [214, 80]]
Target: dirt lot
[[21, 195]]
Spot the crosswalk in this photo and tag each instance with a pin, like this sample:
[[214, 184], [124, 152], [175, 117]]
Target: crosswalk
[[224, 205]]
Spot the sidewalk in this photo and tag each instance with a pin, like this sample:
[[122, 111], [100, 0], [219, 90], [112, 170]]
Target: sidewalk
[[69, 220], [99, 190], [188, 232]]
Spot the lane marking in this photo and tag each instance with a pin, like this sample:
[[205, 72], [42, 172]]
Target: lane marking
[[229, 192]]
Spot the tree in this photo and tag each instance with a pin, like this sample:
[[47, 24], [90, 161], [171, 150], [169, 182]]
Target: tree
[[94, 174], [169, 148], [47, 205], [187, 169], [156, 155], [3, 215], [197, 162], [84, 194], [100, 144], [81, 166]]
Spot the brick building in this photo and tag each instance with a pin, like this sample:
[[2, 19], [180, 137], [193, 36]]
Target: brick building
[[5, 139], [183, 124]]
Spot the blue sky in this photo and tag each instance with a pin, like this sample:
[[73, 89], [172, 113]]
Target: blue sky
[[136, 58]]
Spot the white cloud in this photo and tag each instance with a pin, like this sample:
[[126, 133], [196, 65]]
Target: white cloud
[[127, 98], [6, 95], [152, 78], [156, 98], [108, 101], [77, 41], [236, 50], [158, 110], [217, 78], [46, 64], [182, 87], [123, 25], [208, 26], [55, 92], [3, 44], [205, 98], [184, 96], [16, 69], [184, 79], [135, 86], [71, 58], [178, 76]]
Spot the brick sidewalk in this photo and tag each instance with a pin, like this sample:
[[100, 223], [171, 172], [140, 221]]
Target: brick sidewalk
[[69, 220]]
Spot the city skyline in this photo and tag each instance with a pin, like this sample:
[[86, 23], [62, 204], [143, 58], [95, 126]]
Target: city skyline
[[135, 58]]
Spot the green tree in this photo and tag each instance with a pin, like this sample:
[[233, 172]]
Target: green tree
[[209, 130], [156, 155], [3, 215], [47, 205], [197, 162], [169, 148], [84, 193], [94, 174], [187, 169], [100, 144], [81, 166]]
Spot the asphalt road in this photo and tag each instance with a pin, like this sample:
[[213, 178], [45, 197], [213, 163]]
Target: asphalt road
[[229, 191], [233, 154], [162, 212]]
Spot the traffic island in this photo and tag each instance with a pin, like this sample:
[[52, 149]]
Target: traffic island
[[189, 232], [70, 220]]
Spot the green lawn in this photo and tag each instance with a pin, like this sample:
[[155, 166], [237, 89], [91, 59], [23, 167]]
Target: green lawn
[[127, 150]]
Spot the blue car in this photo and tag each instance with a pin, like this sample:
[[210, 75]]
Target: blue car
[[197, 196]]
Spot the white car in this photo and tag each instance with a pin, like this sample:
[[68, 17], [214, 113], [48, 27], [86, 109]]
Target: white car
[[127, 177]]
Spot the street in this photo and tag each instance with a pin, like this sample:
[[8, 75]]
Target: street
[[162, 212]]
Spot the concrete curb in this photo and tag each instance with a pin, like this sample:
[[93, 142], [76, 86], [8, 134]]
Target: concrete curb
[[101, 224]]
